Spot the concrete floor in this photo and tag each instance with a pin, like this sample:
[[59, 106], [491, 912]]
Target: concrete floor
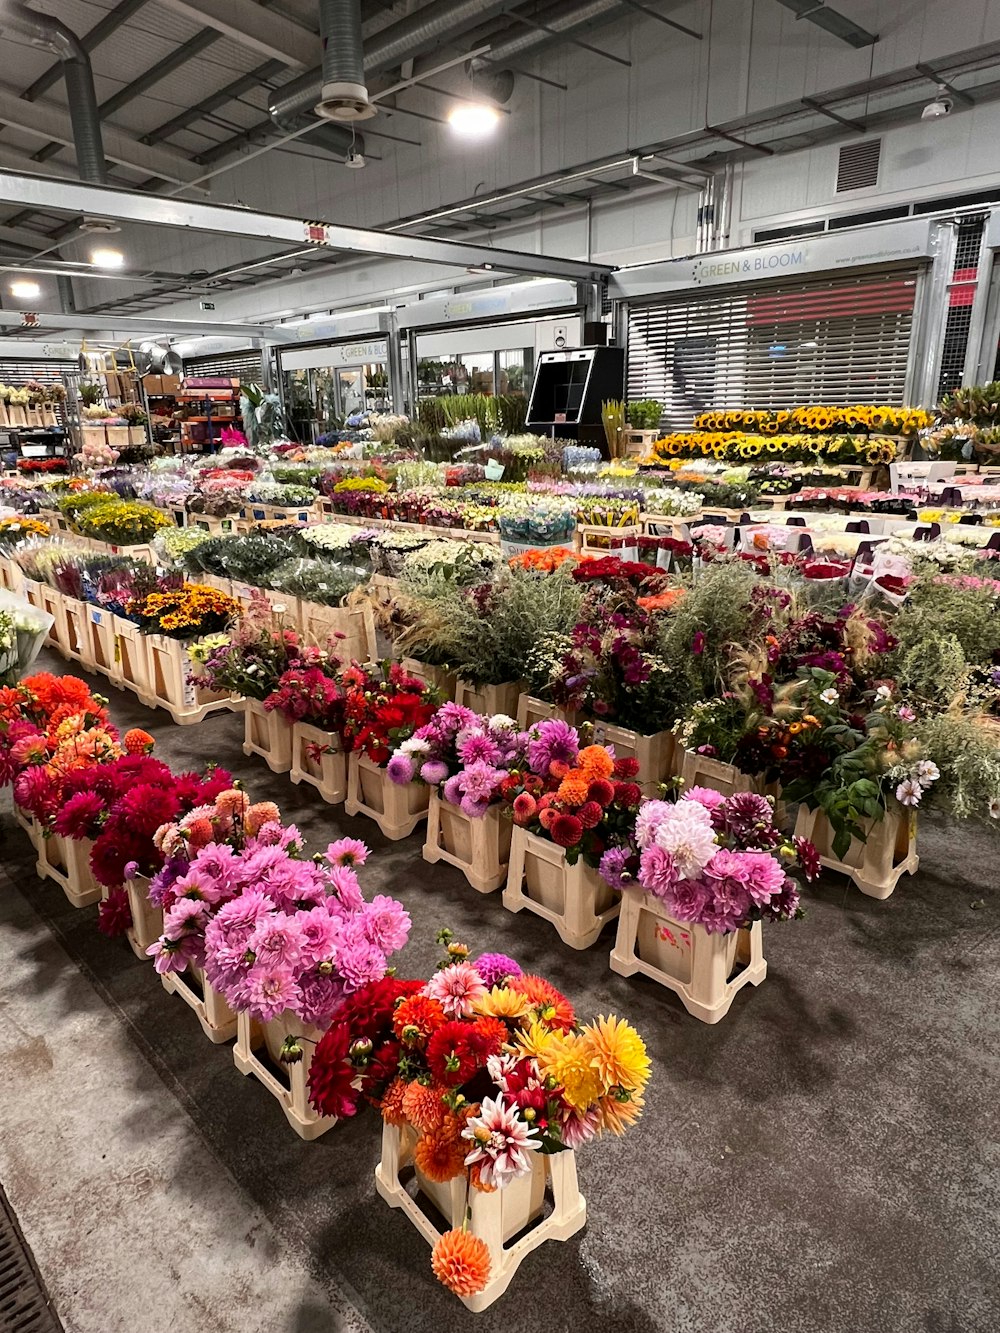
[[826, 1160]]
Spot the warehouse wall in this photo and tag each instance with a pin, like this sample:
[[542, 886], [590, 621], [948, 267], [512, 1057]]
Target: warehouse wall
[[759, 55]]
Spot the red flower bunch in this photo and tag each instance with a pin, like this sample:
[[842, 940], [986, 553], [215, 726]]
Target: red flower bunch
[[43, 465], [307, 694], [610, 569], [383, 706]]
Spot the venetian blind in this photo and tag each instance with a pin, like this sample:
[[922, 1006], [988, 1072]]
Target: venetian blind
[[245, 366], [843, 340]]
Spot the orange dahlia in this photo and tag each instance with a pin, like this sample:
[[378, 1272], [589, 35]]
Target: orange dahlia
[[392, 1103], [232, 802], [440, 1152], [574, 788], [596, 762], [422, 1106], [416, 1019], [138, 741], [263, 812], [552, 1006], [461, 1262]]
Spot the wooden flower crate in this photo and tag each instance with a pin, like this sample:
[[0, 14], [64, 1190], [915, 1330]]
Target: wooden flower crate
[[29, 824], [52, 601], [268, 735], [397, 810], [598, 539], [218, 1022], [658, 755], [265, 513], [11, 577], [480, 848], [438, 678], [319, 761], [215, 527], [638, 443], [76, 627], [509, 1221], [531, 710], [147, 920], [876, 865], [353, 628], [489, 700], [214, 581], [284, 607], [101, 640], [67, 861], [573, 898], [288, 1083], [704, 970], [132, 659], [172, 683]]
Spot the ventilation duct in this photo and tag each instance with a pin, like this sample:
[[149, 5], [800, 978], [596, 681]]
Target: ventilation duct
[[334, 138], [51, 35], [344, 94], [568, 18], [429, 28]]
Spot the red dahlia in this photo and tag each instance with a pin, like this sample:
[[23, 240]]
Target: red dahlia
[[566, 830]]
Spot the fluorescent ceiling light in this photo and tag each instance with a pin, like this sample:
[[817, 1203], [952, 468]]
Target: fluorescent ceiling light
[[107, 258], [473, 120], [25, 290]]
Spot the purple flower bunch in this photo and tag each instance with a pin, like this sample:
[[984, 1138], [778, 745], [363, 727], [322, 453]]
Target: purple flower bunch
[[715, 861], [300, 936], [470, 755]]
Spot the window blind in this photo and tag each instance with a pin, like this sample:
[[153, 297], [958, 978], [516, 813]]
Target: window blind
[[246, 366], [844, 339]]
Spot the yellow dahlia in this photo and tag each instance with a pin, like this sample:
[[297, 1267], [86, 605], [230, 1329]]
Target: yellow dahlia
[[501, 1002], [619, 1115], [568, 1061], [535, 1039], [618, 1053]]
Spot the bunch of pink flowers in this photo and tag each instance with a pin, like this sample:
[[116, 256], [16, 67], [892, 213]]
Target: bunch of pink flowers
[[466, 755], [720, 862], [299, 935]]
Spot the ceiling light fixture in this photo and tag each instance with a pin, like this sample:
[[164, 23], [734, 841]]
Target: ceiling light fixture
[[25, 290], [473, 120], [105, 258], [941, 105]]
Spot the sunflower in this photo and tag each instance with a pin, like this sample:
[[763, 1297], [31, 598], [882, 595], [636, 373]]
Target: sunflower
[[618, 1053]]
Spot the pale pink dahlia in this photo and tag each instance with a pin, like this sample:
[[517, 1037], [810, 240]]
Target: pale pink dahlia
[[456, 988], [501, 1143]]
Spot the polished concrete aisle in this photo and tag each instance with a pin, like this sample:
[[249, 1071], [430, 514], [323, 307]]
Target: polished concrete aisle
[[826, 1160]]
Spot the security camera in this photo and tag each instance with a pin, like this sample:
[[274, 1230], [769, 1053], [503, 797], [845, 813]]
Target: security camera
[[941, 105], [357, 160]]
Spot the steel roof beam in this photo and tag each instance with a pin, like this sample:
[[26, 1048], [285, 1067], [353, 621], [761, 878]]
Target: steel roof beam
[[259, 29], [110, 23], [128, 206], [44, 319], [231, 91], [51, 122]]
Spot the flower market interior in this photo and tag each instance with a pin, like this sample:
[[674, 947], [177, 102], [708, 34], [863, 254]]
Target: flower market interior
[[499, 666]]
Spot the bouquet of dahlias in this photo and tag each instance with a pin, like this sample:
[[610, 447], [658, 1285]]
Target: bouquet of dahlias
[[250, 660], [489, 1067], [309, 692], [290, 934], [582, 799], [383, 706], [469, 754], [714, 861]]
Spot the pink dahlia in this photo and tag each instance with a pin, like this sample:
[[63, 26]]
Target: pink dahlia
[[270, 990], [347, 852], [456, 988], [386, 923], [78, 817]]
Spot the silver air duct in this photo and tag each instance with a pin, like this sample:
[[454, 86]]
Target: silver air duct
[[51, 35], [568, 18], [344, 95], [424, 31]]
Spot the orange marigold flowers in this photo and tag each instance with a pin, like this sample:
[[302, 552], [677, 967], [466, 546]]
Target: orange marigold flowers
[[441, 1151], [416, 1019], [596, 762], [392, 1103], [138, 741], [423, 1107], [461, 1262]]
